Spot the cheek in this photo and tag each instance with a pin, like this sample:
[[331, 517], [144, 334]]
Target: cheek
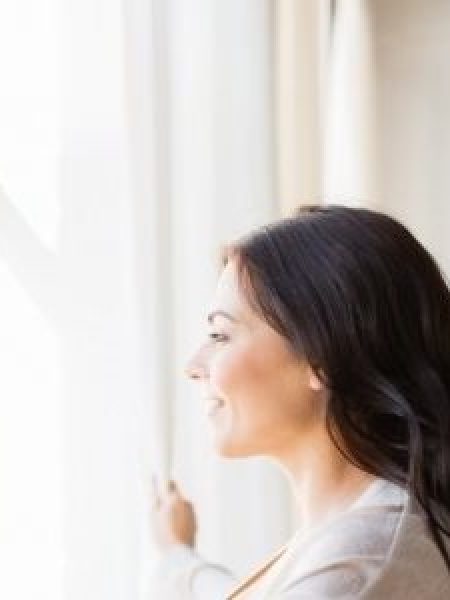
[[249, 371], [262, 383], [233, 368]]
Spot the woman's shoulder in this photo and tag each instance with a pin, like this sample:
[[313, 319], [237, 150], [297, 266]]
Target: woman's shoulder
[[379, 549], [413, 566]]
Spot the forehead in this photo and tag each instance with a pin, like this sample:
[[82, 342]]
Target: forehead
[[227, 282], [228, 295]]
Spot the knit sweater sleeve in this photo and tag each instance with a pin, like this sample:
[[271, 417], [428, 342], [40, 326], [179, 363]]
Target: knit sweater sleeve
[[181, 573]]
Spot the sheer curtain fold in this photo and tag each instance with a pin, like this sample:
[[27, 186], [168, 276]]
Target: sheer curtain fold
[[200, 113], [325, 102], [222, 173], [350, 110], [302, 41]]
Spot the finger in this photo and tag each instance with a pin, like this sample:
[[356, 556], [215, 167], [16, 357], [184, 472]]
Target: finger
[[173, 489]]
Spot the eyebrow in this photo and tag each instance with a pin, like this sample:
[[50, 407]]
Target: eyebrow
[[222, 313]]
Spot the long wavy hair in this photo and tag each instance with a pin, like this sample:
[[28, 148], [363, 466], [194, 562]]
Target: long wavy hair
[[367, 306]]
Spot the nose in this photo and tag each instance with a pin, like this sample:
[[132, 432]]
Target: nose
[[195, 369]]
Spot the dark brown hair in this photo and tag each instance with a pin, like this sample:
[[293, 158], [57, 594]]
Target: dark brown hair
[[360, 299]]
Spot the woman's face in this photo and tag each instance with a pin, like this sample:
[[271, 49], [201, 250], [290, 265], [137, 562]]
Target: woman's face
[[258, 395]]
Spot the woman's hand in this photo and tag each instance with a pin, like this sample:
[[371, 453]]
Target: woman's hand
[[172, 516]]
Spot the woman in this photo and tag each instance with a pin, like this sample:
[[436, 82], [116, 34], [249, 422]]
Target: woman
[[329, 353]]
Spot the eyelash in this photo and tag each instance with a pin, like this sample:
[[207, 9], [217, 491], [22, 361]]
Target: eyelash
[[216, 337]]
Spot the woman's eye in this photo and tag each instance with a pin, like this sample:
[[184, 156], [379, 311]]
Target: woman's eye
[[218, 337]]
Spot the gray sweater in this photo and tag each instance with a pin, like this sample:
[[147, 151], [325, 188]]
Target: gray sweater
[[379, 548]]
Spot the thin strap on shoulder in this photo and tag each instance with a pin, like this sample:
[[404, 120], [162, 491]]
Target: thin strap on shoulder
[[267, 563]]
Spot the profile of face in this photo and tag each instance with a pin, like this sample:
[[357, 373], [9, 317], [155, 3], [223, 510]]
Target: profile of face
[[259, 395]]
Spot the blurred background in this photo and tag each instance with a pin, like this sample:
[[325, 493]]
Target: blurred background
[[136, 136]]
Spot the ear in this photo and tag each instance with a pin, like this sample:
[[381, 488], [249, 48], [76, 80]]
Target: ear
[[314, 382]]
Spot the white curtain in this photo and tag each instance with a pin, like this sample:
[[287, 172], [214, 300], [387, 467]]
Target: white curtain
[[377, 131], [412, 85], [349, 109], [221, 162], [201, 112], [140, 136], [302, 50]]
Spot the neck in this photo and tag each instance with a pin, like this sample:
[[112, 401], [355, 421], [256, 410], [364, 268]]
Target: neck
[[323, 481]]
